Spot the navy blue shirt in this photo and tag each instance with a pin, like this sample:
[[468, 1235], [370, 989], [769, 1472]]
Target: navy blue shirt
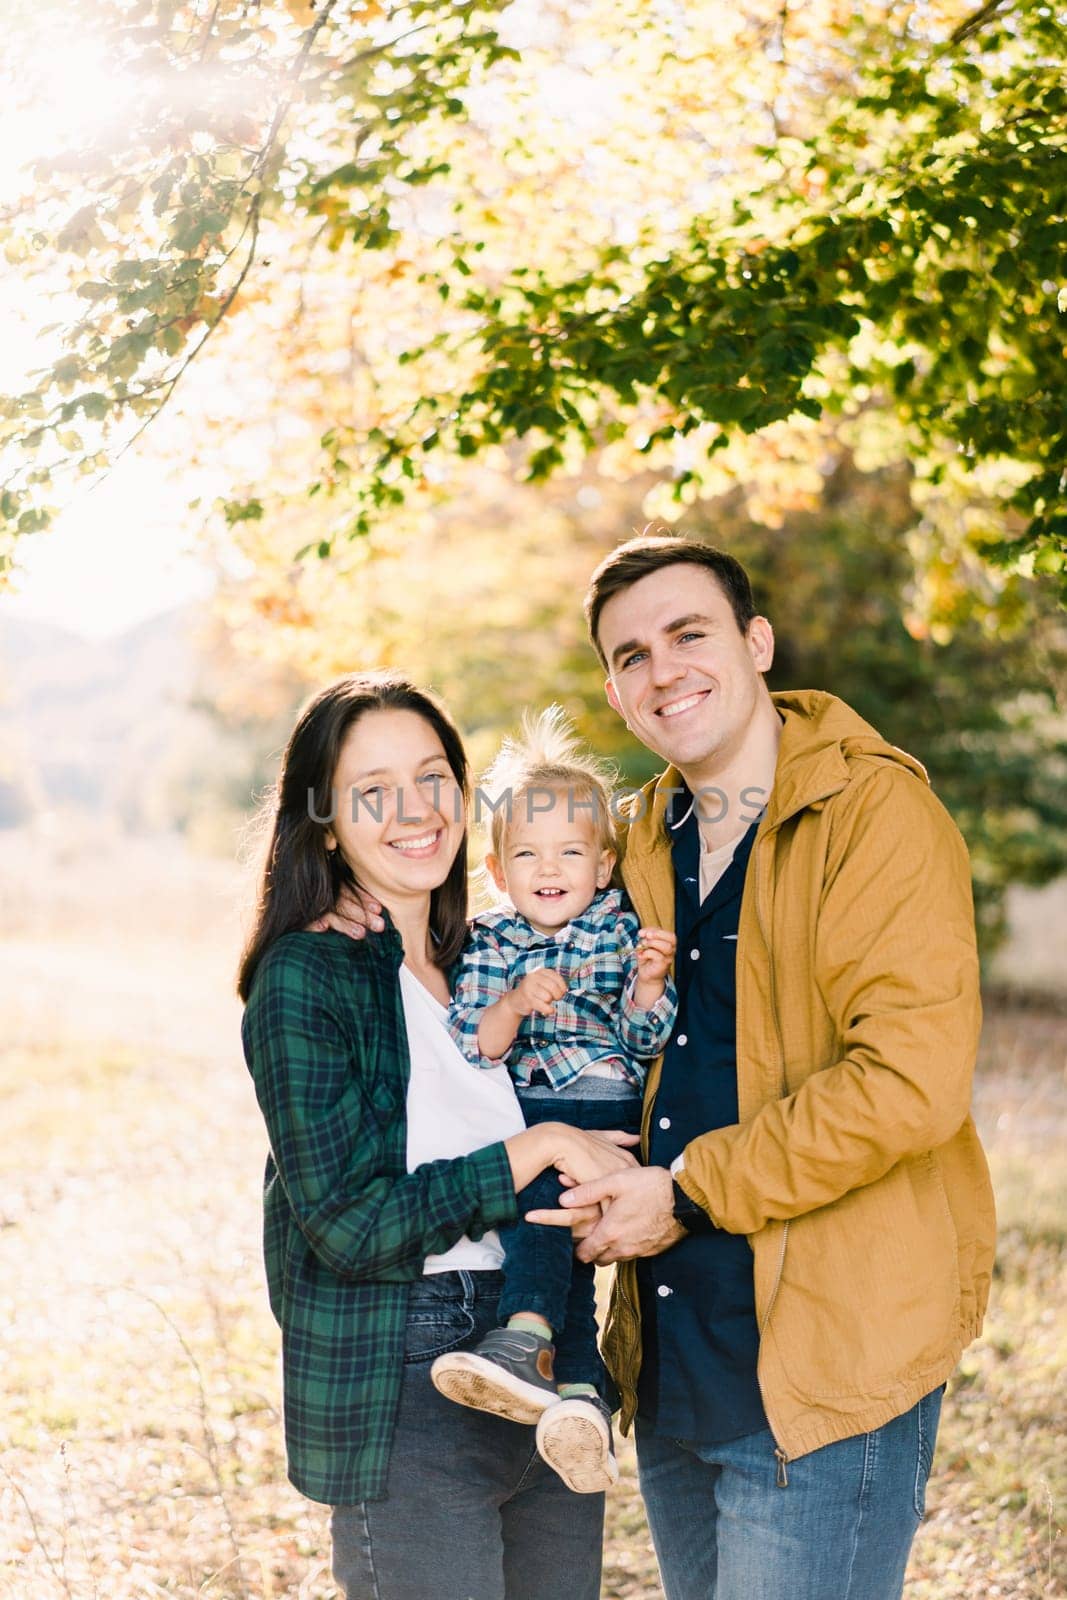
[[698, 1315]]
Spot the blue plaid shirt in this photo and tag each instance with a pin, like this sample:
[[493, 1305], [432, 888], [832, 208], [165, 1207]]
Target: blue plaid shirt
[[595, 1022]]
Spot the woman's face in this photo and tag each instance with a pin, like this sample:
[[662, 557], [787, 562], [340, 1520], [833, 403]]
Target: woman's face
[[399, 810]]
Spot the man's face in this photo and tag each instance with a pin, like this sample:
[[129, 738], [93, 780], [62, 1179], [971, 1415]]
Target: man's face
[[682, 675]]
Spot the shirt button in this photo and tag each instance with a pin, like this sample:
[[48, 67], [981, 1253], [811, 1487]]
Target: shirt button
[[664, 1122], [663, 1291], [694, 955], [683, 1038]]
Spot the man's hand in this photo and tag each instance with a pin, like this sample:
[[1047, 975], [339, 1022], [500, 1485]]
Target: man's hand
[[638, 1219], [538, 991], [353, 914]]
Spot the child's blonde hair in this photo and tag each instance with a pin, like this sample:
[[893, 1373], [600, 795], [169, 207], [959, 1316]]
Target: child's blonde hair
[[548, 755]]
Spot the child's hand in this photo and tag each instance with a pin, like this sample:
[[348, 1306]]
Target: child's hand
[[655, 952], [538, 991]]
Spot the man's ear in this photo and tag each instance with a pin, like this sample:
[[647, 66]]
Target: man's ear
[[605, 868], [496, 872], [613, 699], [760, 640]]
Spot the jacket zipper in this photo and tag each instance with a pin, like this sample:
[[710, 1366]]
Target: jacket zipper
[[782, 1475]]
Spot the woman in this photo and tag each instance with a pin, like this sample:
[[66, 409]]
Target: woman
[[393, 1162]]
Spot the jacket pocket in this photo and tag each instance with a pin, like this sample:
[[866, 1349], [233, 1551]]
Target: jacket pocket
[[870, 1293]]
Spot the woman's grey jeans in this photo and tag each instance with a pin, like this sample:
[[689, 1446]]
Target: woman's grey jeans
[[471, 1511]]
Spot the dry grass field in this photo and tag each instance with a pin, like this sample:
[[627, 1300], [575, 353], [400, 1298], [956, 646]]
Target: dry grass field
[[140, 1443]]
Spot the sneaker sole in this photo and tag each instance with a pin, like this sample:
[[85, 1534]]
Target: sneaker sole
[[472, 1380], [577, 1446]]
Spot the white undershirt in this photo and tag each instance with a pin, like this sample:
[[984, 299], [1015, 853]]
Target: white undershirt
[[453, 1108], [713, 863]]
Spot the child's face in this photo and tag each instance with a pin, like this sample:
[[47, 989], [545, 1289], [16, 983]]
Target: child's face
[[551, 863]]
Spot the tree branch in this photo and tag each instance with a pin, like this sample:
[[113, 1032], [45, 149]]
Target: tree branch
[[976, 20], [171, 383], [253, 221]]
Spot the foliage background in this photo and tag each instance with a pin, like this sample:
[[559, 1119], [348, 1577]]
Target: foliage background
[[451, 295]]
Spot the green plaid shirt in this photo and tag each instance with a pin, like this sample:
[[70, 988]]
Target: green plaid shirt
[[346, 1226]]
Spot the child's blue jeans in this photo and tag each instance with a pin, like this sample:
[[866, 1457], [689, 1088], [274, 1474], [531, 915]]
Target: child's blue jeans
[[541, 1271]]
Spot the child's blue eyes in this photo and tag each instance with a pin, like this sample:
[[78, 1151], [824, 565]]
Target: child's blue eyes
[[525, 855]]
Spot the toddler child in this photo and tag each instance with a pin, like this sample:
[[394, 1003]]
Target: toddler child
[[562, 985]]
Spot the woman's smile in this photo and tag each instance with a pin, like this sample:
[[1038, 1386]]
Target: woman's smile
[[424, 844]]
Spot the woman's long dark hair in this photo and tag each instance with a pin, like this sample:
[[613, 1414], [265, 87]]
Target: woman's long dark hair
[[301, 878]]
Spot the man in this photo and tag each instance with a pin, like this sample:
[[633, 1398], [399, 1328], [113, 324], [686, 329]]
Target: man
[[809, 1248]]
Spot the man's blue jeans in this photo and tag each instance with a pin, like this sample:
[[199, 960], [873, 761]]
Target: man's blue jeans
[[840, 1529], [471, 1511]]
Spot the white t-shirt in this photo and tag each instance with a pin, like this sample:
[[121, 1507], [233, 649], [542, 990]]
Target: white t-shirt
[[713, 864], [452, 1109]]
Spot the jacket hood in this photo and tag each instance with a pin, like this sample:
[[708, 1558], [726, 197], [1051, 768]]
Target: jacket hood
[[824, 742]]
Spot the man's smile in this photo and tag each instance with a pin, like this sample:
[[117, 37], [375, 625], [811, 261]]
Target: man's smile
[[674, 708]]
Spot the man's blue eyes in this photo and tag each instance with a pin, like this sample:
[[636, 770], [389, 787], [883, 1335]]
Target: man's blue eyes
[[637, 655]]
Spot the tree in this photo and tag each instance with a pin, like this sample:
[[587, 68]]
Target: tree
[[459, 294], [866, 214], [981, 711]]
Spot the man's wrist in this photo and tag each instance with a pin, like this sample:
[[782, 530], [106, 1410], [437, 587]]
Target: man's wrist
[[693, 1218]]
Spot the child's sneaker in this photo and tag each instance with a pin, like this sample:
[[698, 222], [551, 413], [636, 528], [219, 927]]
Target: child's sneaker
[[509, 1373], [574, 1437]]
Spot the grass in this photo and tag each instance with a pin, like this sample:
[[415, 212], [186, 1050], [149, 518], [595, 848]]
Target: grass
[[140, 1439]]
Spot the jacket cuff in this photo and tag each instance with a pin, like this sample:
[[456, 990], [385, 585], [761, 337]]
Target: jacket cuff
[[682, 1178], [494, 1181]]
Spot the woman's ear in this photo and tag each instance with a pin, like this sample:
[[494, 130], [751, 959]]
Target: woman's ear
[[496, 872], [605, 868], [330, 841]]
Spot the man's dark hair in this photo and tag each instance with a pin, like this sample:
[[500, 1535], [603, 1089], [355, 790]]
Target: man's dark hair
[[630, 562]]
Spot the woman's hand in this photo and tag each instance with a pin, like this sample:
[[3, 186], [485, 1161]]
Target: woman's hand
[[353, 914], [579, 1155], [587, 1154]]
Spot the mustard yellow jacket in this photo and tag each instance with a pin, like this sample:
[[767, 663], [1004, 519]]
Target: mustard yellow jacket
[[855, 1168]]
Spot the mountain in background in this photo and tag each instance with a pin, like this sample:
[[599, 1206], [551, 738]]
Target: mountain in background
[[136, 727]]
